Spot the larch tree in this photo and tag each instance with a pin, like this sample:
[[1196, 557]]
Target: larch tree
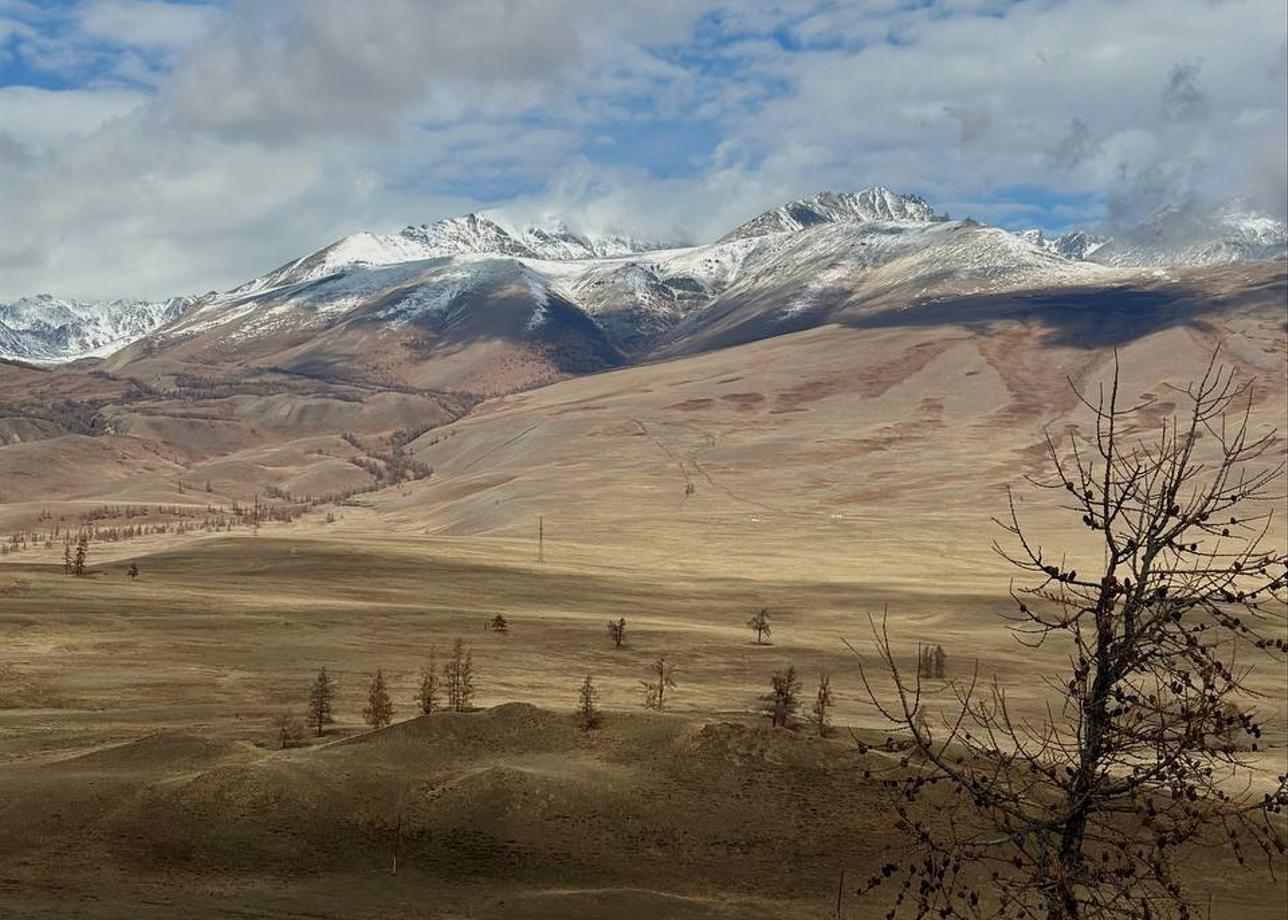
[[379, 711], [784, 697], [587, 710], [663, 679], [428, 693], [458, 677], [81, 555], [759, 624], [321, 697], [617, 631], [1083, 813], [823, 702]]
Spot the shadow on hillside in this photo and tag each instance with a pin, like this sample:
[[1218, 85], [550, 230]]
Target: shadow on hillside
[[1085, 318]]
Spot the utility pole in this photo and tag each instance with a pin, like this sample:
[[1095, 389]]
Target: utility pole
[[541, 539]]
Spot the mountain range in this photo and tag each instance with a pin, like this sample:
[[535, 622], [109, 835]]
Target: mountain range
[[606, 299]]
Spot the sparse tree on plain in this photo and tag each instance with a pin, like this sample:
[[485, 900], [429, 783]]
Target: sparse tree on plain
[[587, 711], [429, 691], [823, 703], [1079, 816], [931, 661], [499, 624], [759, 622], [663, 679], [379, 711], [82, 553], [133, 571], [67, 557], [784, 697], [321, 696], [617, 631], [458, 677]]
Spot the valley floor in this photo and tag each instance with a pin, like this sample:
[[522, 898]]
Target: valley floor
[[828, 476], [143, 775]]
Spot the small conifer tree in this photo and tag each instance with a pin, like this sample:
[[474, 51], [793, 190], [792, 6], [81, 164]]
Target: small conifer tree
[[783, 698], [321, 696], [427, 695], [823, 702], [379, 711], [587, 711]]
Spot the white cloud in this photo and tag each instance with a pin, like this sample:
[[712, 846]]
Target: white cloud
[[39, 118], [265, 129], [146, 23]]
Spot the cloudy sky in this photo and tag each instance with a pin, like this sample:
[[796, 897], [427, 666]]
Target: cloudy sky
[[149, 148]]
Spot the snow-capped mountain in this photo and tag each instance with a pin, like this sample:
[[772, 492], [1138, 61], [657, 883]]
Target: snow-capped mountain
[[470, 233], [1235, 232], [793, 264], [876, 203], [1188, 236], [745, 285], [49, 329], [1076, 244]]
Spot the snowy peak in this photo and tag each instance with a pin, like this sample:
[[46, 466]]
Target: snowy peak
[[873, 204], [469, 234], [1189, 235], [51, 329], [1076, 244], [557, 243]]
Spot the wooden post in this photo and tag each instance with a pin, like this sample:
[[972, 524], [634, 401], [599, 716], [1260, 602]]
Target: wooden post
[[840, 890]]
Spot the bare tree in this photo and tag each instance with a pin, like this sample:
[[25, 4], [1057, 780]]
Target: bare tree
[[663, 679], [427, 694], [379, 711], [290, 729], [1078, 815], [321, 695], [587, 711], [784, 697], [617, 631], [759, 622], [458, 677], [823, 703]]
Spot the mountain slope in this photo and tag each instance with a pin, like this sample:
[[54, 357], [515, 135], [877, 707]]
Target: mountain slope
[[475, 324]]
